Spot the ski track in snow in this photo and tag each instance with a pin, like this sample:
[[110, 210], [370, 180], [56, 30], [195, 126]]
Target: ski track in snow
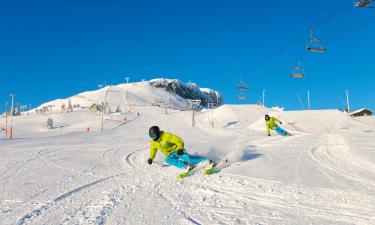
[[35, 213], [286, 198], [218, 199], [102, 208], [108, 181], [340, 159]]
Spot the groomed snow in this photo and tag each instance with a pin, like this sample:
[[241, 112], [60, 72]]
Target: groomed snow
[[122, 95], [323, 174]]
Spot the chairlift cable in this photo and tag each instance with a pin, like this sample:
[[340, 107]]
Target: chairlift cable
[[353, 28], [303, 34], [349, 30], [332, 15], [328, 18]]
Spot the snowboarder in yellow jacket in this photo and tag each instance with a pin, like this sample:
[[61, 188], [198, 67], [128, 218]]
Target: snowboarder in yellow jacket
[[173, 148], [272, 123]]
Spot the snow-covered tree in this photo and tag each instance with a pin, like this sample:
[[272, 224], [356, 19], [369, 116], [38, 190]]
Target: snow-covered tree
[[63, 108], [49, 123], [70, 107]]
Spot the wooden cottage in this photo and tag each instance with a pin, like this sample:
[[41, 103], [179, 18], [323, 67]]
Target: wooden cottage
[[361, 112]]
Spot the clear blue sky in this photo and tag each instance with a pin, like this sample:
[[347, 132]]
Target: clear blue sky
[[55, 49]]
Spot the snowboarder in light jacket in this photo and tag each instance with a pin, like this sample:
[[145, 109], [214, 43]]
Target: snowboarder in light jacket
[[272, 123], [173, 148]]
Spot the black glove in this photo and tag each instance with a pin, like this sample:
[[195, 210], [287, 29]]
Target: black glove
[[269, 134], [180, 152], [281, 122], [149, 161]]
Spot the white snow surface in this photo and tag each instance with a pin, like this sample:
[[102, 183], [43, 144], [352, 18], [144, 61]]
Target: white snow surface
[[122, 95], [323, 174]]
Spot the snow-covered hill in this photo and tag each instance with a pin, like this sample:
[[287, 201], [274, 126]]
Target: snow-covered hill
[[119, 97], [323, 174]]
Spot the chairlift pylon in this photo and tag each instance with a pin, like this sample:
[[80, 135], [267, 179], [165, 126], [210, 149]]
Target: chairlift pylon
[[313, 44], [298, 71]]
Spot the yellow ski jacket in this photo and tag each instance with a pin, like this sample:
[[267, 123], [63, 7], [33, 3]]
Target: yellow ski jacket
[[271, 124], [167, 144]]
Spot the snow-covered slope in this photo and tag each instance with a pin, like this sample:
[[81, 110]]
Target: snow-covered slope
[[313, 121], [309, 121], [323, 174], [234, 116], [152, 92]]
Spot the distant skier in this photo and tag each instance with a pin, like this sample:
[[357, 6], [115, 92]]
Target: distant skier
[[173, 148], [272, 124]]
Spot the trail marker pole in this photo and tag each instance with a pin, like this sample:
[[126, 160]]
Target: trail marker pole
[[166, 102], [6, 119], [103, 108], [11, 118]]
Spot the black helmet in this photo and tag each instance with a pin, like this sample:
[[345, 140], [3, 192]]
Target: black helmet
[[267, 117], [154, 132]]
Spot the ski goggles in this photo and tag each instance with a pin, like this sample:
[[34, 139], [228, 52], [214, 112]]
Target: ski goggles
[[153, 136]]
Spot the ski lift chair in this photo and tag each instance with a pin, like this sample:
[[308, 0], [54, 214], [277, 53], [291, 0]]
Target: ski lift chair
[[314, 45], [316, 48], [242, 88], [242, 92], [298, 74], [362, 3], [298, 71], [242, 85]]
